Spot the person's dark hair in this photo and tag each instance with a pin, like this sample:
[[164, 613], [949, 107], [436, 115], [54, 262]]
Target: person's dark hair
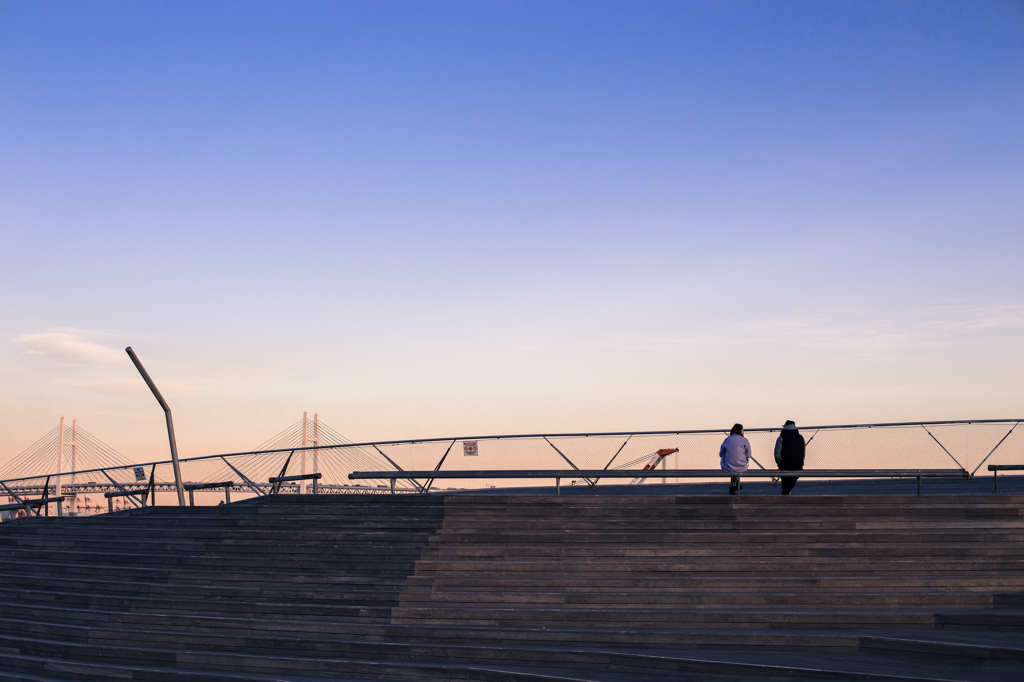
[[737, 429], [789, 421]]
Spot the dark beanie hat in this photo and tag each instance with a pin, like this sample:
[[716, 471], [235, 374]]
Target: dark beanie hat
[[789, 421]]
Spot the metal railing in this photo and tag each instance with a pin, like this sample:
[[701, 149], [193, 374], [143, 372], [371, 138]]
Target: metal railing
[[591, 476], [420, 465]]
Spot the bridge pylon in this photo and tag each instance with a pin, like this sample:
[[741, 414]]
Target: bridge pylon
[[309, 440], [61, 445]]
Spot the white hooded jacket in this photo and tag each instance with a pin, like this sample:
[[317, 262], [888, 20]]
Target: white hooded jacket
[[735, 452]]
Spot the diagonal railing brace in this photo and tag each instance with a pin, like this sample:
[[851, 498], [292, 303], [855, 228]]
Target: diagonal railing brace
[[395, 464], [943, 448], [150, 489], [589, 482], [276, 487], [120, 487], [252, 486], [617, 452], [995, 448], [426, 488], [13, 494]]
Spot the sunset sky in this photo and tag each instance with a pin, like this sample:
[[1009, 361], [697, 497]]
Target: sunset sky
[[462, 218]]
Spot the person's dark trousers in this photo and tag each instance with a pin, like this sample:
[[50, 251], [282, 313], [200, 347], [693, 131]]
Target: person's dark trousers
[[787, 484]]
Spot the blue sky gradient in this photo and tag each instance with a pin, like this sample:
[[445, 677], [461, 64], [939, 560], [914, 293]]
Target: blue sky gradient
[[423, 219]]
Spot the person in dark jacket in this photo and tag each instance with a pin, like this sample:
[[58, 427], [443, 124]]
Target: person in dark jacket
[[789, 454]]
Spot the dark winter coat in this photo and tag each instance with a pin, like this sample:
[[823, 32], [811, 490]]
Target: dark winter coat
[[789, 450]]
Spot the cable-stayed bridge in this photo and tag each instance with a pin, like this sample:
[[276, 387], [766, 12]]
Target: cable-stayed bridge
[[66, 447], [70, 448]]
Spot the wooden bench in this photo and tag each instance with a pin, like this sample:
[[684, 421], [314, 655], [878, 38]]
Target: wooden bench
[[278, 480], [996, 468], [190, 487], [27, 505]]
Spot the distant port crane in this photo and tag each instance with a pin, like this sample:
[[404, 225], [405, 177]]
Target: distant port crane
[[652, 461]]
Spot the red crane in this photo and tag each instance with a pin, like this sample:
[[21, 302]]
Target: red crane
[[653, 459]]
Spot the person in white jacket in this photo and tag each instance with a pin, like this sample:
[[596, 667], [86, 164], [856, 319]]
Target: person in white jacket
[[735, 452]]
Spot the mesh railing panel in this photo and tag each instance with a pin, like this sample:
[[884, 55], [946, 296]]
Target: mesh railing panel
[[947, 445]]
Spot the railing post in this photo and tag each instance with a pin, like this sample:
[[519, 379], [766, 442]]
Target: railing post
[[191, 498], [110, 505], [995, 479], [314, 486], [392, 485], [558, 486], [227, 494], [918, 485]]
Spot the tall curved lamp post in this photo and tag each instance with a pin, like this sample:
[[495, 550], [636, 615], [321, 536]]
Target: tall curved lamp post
[[170, 423]]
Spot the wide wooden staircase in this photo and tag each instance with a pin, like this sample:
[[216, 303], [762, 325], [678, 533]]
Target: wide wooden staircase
[[517, 588]]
